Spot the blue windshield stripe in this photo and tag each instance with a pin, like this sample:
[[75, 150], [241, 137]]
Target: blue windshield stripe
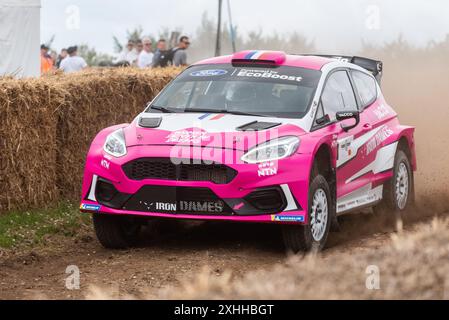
[[204, 116]]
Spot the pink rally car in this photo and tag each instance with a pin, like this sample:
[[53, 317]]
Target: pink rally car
[[258, 136]]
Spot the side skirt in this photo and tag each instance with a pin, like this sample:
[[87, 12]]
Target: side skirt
[[359, 199]]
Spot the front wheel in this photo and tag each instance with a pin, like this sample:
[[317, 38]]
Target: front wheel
[[312, 236], [116, 231]]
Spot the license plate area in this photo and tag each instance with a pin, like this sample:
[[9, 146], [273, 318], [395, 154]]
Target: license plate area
[[176, 200]]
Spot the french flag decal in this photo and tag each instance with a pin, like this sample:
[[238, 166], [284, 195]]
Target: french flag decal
[[277, 56], [254, 55], [215, 117]]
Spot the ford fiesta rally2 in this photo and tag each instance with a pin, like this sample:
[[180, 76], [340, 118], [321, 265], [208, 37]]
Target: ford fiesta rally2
[[258, 136]]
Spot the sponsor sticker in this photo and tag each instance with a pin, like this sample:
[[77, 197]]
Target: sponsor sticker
[[381, 111], [378, 139], [342, 59], [166, 206], [287, 218], [90, 207], [105, 164], [209, 73], [202, 206], [184, 136], [267, 74], [345, 146], [191, 206], [266, 169]]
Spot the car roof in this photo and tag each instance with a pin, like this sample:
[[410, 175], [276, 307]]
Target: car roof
[[278, 58]]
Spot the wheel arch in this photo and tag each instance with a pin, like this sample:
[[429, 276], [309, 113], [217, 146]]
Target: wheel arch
[[406, 142], [324, 163]]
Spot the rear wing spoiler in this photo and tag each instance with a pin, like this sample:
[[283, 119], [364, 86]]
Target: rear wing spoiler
[[373, 66]]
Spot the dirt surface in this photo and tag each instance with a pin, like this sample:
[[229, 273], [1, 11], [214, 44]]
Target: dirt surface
[[162, 261]]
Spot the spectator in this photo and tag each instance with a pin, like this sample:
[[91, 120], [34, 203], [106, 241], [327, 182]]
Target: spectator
[[54, 57], [161, 56], [73, 63], [128, 54], [46, 60], [61, 57], [146, 55], [179, 52], [124, 52], [139, 46]]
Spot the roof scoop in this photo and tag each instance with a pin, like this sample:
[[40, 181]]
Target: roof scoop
[[264, 57]]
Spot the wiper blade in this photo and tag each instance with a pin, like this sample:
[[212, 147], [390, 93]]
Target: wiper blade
[[247, 114], [204, 110], [225, 111], [163, 109]]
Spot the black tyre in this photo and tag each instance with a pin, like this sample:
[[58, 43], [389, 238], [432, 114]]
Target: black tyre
[[399, 190], [312, 236], [114, 231]]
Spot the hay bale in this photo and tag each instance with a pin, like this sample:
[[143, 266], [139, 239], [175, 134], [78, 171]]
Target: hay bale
[[28, 143]]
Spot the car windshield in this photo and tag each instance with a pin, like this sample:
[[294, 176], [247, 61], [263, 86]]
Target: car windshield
[[277, 92]]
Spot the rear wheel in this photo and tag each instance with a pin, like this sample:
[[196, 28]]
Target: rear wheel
[[398, 191], [312, 236], [115, 231]]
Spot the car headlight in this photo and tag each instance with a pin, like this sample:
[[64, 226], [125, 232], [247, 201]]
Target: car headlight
[[115, 144], [275, 149]]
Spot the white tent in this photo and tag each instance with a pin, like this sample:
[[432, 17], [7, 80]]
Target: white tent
[[20, 37]]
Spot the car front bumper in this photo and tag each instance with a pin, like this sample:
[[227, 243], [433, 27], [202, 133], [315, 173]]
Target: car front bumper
[[270, 192]]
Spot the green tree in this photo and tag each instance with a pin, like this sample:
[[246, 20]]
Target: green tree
[[135, 34], [92, 57]]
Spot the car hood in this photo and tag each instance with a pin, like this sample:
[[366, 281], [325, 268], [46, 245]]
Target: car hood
[[215, 130]]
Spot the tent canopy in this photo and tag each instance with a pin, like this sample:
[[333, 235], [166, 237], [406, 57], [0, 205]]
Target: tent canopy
[[20, 3], [20, 38]]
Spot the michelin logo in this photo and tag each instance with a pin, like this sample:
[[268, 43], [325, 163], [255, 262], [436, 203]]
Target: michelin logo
[[287, 218], [90, 207]]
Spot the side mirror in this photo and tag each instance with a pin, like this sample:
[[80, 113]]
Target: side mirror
[[344, 115]]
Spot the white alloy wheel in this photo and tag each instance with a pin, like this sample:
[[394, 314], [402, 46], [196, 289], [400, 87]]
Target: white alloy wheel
[[319, 215]]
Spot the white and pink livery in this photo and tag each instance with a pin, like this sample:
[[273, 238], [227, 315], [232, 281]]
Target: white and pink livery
[[258, 136]]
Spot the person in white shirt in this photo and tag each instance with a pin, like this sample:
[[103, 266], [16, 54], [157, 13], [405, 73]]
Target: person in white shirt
[[72, 63], [129, 54], [146, 55]]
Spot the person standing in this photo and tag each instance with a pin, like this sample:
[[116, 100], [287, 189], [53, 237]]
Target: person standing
[[179, 52], [73, 62], [161, 56], [139, 46], [145, 59], [61, 57], [46, 60], [128, 54]]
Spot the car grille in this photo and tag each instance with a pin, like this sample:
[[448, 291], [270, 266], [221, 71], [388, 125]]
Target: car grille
[[165, 169]]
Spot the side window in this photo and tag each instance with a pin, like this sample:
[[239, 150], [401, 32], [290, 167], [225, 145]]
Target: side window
[[366, 87], [338, 94]]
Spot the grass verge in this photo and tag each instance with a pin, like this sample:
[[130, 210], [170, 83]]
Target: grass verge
[[29, 228]]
